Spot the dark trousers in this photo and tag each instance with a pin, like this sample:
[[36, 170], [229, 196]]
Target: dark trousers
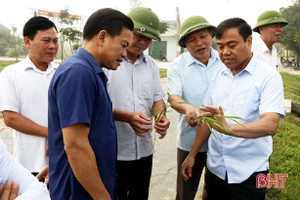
[[217, 188], [133, 179], [186, 190]]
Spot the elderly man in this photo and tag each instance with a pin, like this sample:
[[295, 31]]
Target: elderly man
[[247, 88], [269, 26], [137, 95], [189, 77]]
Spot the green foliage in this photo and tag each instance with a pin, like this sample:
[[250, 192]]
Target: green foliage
[[4, 64], [291, 85], [163, 27], [286, 158], [72, 35], [292, 15], [163, 72]]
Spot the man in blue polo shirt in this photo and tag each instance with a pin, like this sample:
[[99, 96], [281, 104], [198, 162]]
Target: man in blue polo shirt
[[82, 134]]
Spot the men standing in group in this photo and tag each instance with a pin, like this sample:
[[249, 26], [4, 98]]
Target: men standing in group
[[269, 26], [24, 94], [247, 88], [189, 77], [137, 95], [82, 134]]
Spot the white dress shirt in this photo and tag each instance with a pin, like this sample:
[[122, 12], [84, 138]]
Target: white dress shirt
[[260, 49], [134, 88], [24, 90]]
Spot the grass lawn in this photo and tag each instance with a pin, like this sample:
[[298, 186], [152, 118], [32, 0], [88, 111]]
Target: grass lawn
[[3, 64], [286, 151], [163, 73]]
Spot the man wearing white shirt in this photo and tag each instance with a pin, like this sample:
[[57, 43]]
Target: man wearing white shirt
[[269, 26], [15, 176], [247, 88], [24, 93], [136, 93]]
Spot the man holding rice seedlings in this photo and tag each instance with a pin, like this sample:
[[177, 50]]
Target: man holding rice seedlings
[[189, 77], [137, 95], [247, 88]]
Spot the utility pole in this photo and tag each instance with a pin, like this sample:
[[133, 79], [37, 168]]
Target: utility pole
[[178, 25]]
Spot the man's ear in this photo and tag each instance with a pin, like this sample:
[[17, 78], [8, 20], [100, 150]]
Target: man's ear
[[27, 42], [249, 41], [101, 37]]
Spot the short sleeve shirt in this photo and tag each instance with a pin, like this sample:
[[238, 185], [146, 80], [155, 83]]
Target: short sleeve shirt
[[189, 78], [24, 90], [29, 187], [134, 88], [256, 90], [77, 94]]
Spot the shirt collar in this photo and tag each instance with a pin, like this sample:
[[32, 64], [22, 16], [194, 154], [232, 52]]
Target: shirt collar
[[192, 60], [90, 59], [250, 68], [141, 58], [29, 65], [264, 47]]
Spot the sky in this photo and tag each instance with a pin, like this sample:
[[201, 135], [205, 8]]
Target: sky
[[17, 12]]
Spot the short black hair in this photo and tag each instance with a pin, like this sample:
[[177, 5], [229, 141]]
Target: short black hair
[[107, 19], [243, 27], [35, 24]]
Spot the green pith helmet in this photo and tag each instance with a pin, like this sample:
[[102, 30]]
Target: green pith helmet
[[269, 17], [145, 22], [193, 24]]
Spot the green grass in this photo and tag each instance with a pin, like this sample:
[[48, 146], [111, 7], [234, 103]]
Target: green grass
[[163, 73], [286, 152], [291, 84], [286, 158], [3, 64]]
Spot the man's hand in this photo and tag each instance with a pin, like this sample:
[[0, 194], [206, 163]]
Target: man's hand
[[162, 125], [190, 116], [9, 191], [44, 174], [216, 111], [140, 123], [186, 167]]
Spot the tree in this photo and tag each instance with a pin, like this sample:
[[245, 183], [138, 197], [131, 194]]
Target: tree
[[290, 32], [163, 27], [16, 44], [67, 34], [73, 36], [5, 38]]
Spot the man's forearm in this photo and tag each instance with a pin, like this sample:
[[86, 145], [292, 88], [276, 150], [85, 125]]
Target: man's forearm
[[181, 108], [23, 124], [265, 126], [202, 135], [82, 160], [121, 115]]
